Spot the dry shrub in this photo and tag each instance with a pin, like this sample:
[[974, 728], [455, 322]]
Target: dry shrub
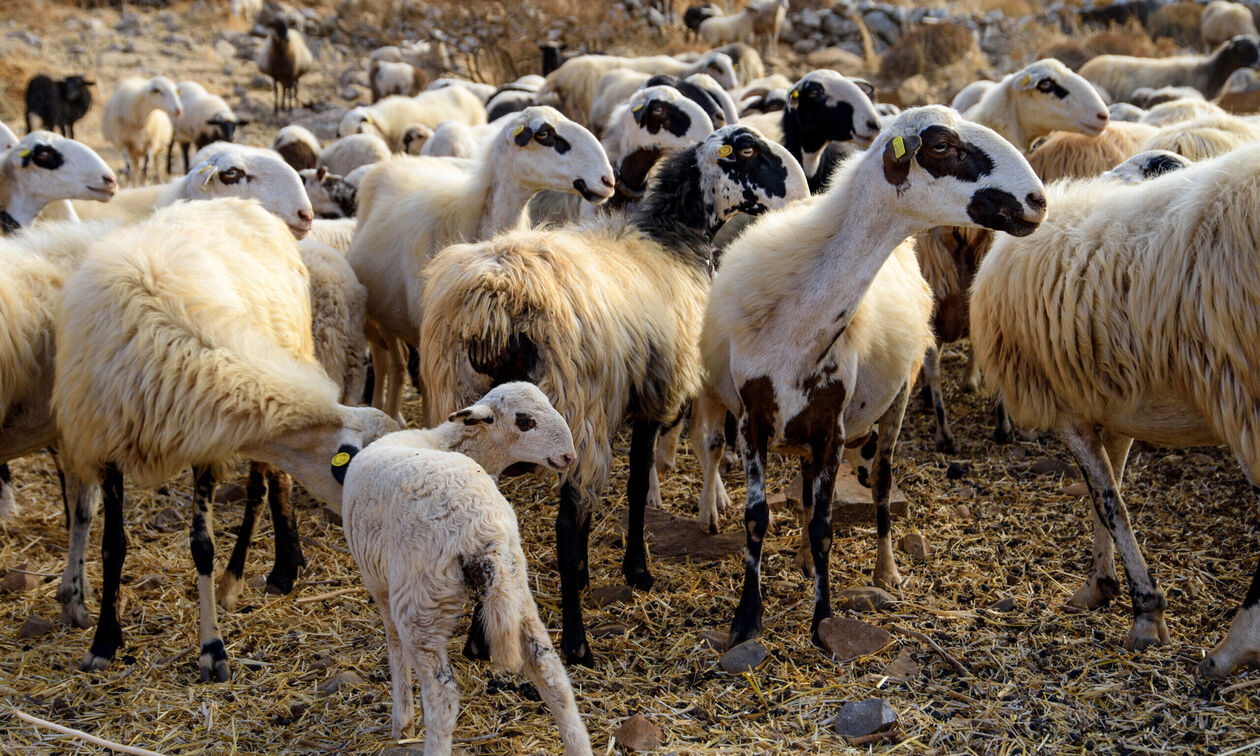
[[1071, 54], [1130, 40], [925, 48], [1178, 22]]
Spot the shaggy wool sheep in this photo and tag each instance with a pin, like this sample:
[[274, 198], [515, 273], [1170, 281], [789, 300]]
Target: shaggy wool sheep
[[1203, 137], [819, 318], [213, 329], [1223, 20], [604, 316], [390, 118], [137, 120], [1121, 74], [1135, 318], [353, 151], [412, 207], [298, 146], [1066, 155], [1185, 109], [427, 527], [1147, 165], [207, 118], [284, 58]]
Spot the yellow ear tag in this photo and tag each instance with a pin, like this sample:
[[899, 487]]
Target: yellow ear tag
[[1026, 80], [368, 120], [725, 150], [899, 147], [795, 94], [340, 459], [205, 168], [636, 108], [517, 131], [25, 152]]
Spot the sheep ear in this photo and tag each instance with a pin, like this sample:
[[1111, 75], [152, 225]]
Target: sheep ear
[[242, 122], [1026, 82], [478, 413], [320, 172], [867, 88], [522, 135], [898, 154], [207, 170], [341, 462]]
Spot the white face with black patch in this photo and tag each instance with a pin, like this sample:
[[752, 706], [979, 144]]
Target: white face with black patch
[[551, 152], [664, 117], [522, 422], [742, 171], [1147, 165], [44, 167], [828, 107], [1054, 98], [949, 171], [233, 170]]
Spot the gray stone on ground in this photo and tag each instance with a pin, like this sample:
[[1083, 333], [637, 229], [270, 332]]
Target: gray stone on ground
[[339, 681], [639, 734], [849, 638], [744, 657], [34, 627], [858, 718]]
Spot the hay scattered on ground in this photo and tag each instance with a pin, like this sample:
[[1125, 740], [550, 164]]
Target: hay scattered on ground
[[1042, 680]]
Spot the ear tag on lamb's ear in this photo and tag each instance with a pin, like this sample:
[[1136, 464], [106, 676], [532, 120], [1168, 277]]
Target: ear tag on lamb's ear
[[208, 171], [341, 461], [725, 150], [522, 134], [795, 94], [1024, 82], [899, 147], [637, 108]]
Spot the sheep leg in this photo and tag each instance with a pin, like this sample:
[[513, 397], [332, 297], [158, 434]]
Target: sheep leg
[[861, 459], [230, 581], [932, 378], [667, 443], [75, 590], [404, 714], [8, 505], [477, 646], [1148, 600], [108, 636], [289, 560], [642, 453], [545, 671], [213, 658], [1102, 585], [1003, 431], [971, 380], [439, 695], [818, 484], [754, 436], [886, 575], [573, 528], [708, 439], [275, 96]]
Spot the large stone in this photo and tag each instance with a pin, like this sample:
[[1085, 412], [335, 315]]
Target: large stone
[[865, 599], [34, 627], [849, 638], [677, 537], [639, 734], [19, 579], [744, 657], [851, 501], [858, 718], [915, 545]]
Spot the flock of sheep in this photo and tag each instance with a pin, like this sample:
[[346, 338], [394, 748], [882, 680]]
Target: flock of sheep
[[656, 242]]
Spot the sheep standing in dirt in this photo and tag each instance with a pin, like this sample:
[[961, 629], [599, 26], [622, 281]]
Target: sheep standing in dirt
[[1222, 20], [1132, 314], [387, 78], [214, 331], [427, 526], [391, 117], [207, 118], [285, 58], [1119, 75], [137, 120], [58, 104], [819, 318]]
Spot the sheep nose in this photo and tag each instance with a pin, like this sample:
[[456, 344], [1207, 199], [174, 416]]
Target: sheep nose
[[607, 181], [1036, 202], [1104, 116], [872, 125], [306, 216], [567, 460], [109, 180]]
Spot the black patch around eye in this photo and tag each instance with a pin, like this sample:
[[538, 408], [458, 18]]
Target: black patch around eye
[[966, 161], [666, 116], [814, 121], [1161, 164], [1050, 86], [761, 176], [232, 176], [525, 422], [47, 157]]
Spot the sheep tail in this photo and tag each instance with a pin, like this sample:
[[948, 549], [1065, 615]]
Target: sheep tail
[[497, 578]]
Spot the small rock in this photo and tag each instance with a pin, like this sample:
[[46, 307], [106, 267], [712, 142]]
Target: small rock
[[639, 734], [837, 59], [19, 579], [963, 511], [229, 494], [322, 661], [1050, 466], [858, 718], [350, 93], [150, 582], [35, 626], [903, 668], [167, 520], [849, 638], [1201, 458], [744, 657], [607, 631], [1004, 604], [966, 492], [716, 639], [1076, 489], [955, 471], [915, 545], [339, 681], [611, 594], [867, 599]]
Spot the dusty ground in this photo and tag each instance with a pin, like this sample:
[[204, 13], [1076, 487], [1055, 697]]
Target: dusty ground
[[1041, 679]]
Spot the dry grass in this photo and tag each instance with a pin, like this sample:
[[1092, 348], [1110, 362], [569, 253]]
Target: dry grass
[[1178, 22], [926, 48], [1041, 680]]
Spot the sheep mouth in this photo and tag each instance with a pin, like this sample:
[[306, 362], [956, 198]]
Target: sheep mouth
[[1093, 128], [590, 195], [299, 230], [999, 210], [102, 193]]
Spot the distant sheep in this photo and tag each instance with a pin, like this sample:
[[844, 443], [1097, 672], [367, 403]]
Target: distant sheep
[[1066, 155], [137, 120], [1223, 20], [696, 15], [1177, 111], [207, 118], [387, 78], [1202, 138], [390, 118], [58, 104], [455, 139], [1146, 97], [1120, 75], [298, 146], [285, 58], [353, 151]]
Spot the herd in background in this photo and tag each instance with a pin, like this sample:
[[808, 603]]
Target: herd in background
[[635, 237]]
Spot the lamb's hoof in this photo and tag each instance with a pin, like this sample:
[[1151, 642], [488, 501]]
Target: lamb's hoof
[[743, 628], [75, 615], [804, 562], [213, 662], [1093, 594], [709, 522], [946, 445], [1148, 630], [93, 662], [579, 656], [228, 592], [640, 579]]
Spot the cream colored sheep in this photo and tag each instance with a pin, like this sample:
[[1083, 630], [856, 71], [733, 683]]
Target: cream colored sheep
[[128, 122], [412, 207], [604, 316], [427, 527], [1119, 75], [1202, 138], [969, 95], [336, 233], [1065, 155], [1222, 20], [207, 118], [819, 318], [1176, 111], [42, 168], [392, 116], [455, 139], [387, 78], [353, 151], [1131, 314], [213, 329]]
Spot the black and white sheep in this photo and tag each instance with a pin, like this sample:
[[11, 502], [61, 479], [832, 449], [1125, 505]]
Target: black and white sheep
[[298, 146], [1120, 75], [207, 118]]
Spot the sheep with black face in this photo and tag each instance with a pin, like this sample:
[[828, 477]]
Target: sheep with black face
[[58, 104]]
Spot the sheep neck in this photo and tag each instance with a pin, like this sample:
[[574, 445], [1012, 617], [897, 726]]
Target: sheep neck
[[24, 208], [999, 111], [505, 197]]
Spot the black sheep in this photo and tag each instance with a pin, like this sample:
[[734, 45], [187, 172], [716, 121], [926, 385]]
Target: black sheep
[[58, 103]]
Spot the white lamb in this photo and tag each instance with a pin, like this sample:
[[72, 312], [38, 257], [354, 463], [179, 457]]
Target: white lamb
[[43, 168], [206, 118], [427, 527], [353, 151], [129, 122], [459, 140], [387, 78], [390, 117]]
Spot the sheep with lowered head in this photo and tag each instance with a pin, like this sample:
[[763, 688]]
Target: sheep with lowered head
[[427, 527], [207, 118], [137, 120], [390, 117], [298, 146]]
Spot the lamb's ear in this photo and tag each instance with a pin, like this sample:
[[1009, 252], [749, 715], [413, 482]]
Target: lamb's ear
[[207, 170], [898, 154], [1026, 82], [478, 413], [320, 172], [522, 134], [867, 88], [341, 462]]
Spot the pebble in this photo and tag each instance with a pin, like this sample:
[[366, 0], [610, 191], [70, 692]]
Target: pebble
[[744, 657], [151, 582], [608, 631], [865, 599], [915, 545], [903, 668], [229, 494], [1050, 466], [849, 638], [715, 639], [638, 733], [34, 627], [962, 511], [19, 579], [859, 718], [611, 594], [1004, 604], [1076, 489], [339, 681]]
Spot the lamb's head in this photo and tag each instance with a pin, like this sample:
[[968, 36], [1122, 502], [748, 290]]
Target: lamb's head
[[741, 171], [1049, 96], [654, 121], [322, 188], [548, 151], [414, 138], [718, 65], [828, 107], [1147, 165], [359, 120], [948, 171], [160, 94], [224, 169], [1240, 52], [44, 167], [515, 424]]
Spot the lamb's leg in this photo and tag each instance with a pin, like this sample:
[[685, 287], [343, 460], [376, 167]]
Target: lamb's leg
[[1003, 431], [932, 377], [642, 453], [8, 505], [404, 715], [213, 658], [886, 575], [289, 557], [667, 444], [708, 440], [545, 671], [971, 380], [1102, 585], [573, 527], [426, 641], [754, 437], [230, 581], [818, 483], [75, 590], [1148, 599], [108, 637], [1242, 643], [275, 96], [477, 646]]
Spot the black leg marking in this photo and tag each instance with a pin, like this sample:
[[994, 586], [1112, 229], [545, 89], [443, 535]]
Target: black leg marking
[[477, 646], [213, 657], [642, 457], [573, 527], [1003, 432], [747, 621], [108, 638], [255, 490], [819, 477], [289, 557]]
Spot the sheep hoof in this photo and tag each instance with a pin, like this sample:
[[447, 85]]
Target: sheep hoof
[[709, 522], [640, 579], [1003, 436], [228, 592], [946, 444], [745, 627], [1148, 630], [580, 656], [75, 615], [887, 578], [213, 662], [1095, 593], [95, 663], [475, 647], [804, 561]]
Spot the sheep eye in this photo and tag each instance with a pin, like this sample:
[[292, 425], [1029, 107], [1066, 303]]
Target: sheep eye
[[525, 422], [231, 175], [544, 136], [940, 149], [1045, 85], [748, 152]]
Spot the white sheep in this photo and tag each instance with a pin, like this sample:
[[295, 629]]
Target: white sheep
[[285, 58], [390, 118], [455, 139], [736, 27], [137, 120], [298, 146], [819, 317], [604, 316], [206, 118], [333, 232], [1068, 155], [412, 207], [483, 91], [353, 151], [387, 78], [616, 86], [1203, 137], [204, 310], [1184, 109], [1222, 20], [1131, 314], [1147, 165], [43, 168], [427, 527], [1119, 75], [654, 122], [969, 95]]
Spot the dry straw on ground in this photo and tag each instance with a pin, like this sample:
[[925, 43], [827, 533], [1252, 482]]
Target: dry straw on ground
[[1040, 680]]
